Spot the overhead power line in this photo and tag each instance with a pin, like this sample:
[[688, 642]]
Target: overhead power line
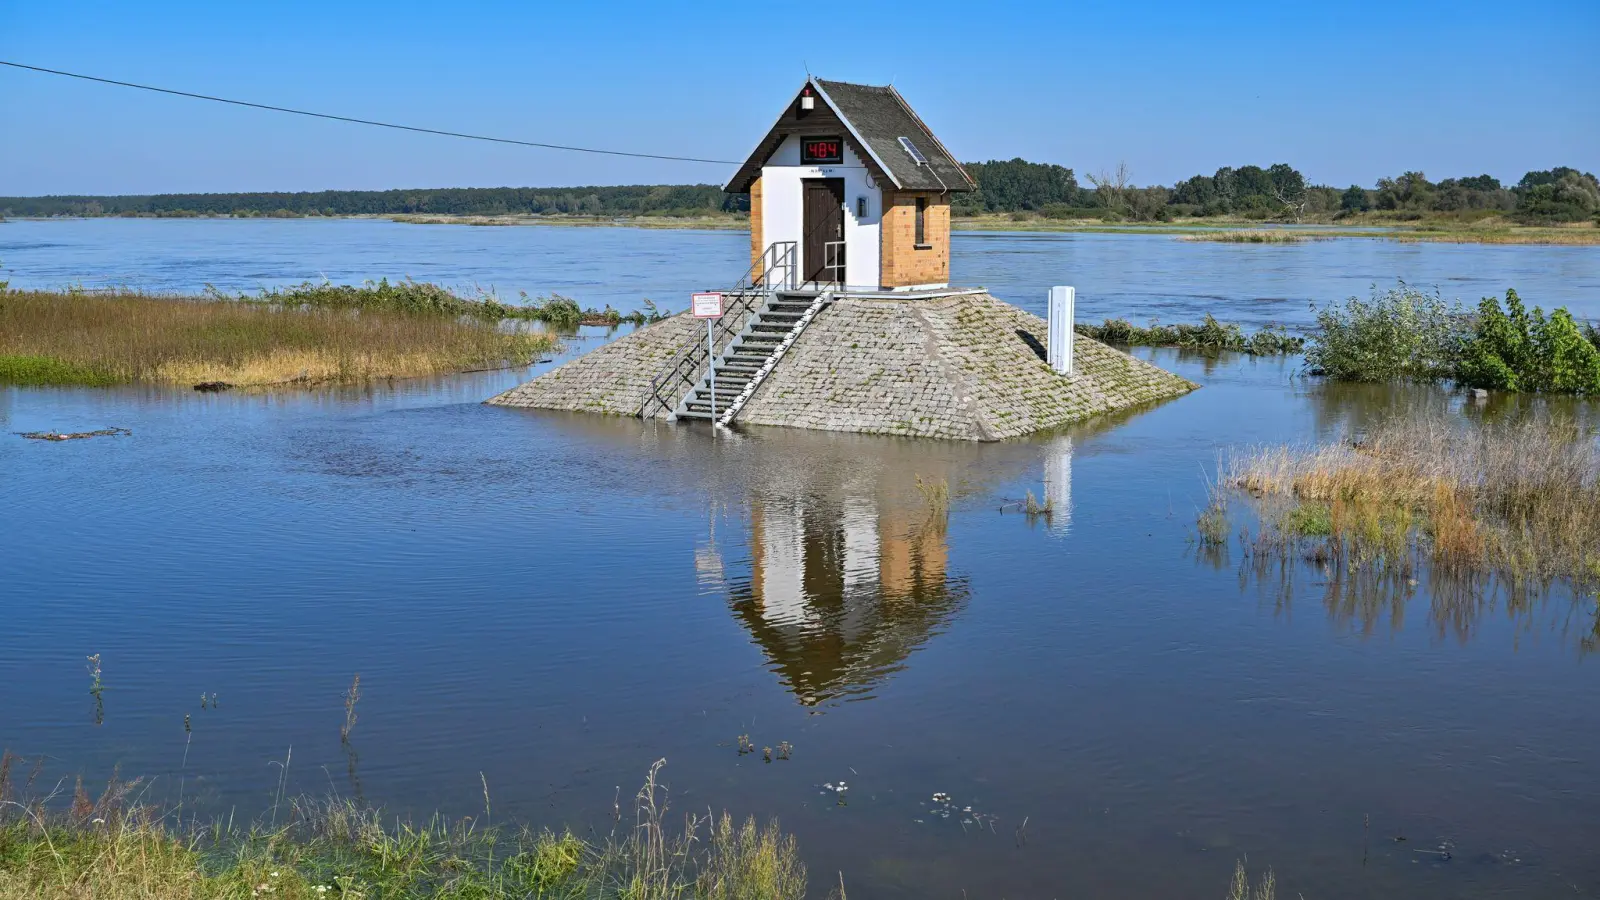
[[351, 119]]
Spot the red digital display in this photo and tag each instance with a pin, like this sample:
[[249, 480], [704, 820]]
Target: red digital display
[[821, 150]]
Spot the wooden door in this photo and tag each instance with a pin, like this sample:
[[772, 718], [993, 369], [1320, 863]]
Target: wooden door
[[822, 223]]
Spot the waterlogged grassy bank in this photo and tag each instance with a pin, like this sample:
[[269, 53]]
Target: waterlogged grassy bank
[[1518, 502], [1209, 336], [74, 338], [426, 298], [106, 849], [1256, 236], [334, 849]]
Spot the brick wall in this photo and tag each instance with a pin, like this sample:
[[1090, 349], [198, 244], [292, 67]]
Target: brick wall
[[755, 221], [903, 264]]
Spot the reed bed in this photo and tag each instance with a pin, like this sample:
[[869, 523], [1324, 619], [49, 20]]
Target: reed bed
[[109, 849], [1254, 236], [1520, 500], [108, 338], [424, 297]]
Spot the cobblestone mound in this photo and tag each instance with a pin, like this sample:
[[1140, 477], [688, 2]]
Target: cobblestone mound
[[612, 379], [968, 367], [962, 366]]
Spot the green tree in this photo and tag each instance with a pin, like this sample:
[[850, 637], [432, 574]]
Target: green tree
[[1571, 196], [1411, 192], [1355, 199]]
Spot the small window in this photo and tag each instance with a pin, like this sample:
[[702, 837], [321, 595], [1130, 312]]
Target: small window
[[922, 222], [861, 209]]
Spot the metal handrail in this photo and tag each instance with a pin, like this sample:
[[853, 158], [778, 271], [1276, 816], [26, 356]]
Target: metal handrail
[[832, 261], [776, 269]]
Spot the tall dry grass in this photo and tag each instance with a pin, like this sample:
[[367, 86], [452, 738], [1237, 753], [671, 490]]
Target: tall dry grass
[[1519, 499], [84, 338]]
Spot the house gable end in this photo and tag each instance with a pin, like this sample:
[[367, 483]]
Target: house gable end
[[823, 119]]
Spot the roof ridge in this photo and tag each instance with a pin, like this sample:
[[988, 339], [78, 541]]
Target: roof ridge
[[931, 136]]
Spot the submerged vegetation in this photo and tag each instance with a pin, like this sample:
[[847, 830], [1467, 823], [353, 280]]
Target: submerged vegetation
[[1404, 334], [1254, 236], [1209, 335], [425, 298], [109, 849], [1518, 501], [81, 338]]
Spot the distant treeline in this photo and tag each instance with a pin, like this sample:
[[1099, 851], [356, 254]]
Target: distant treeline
[[1277, 192], [642, 199]]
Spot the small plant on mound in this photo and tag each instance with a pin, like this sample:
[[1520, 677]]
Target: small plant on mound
[[1515, 350]]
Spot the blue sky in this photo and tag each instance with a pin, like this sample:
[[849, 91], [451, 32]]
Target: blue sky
[[1347, 92]]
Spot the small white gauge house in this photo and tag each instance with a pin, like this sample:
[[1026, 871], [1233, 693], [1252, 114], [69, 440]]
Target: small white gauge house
[[859, 184]]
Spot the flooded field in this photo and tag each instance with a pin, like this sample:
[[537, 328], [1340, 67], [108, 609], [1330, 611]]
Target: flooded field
[[542, 605]]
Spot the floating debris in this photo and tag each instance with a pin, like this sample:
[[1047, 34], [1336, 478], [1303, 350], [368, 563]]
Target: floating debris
[[943, 807], [72, 436], [212, 387]]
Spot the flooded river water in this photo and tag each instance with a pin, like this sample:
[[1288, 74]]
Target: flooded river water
[[548, 603]]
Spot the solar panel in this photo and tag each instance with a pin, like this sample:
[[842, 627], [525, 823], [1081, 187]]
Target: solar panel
[[911, 149]]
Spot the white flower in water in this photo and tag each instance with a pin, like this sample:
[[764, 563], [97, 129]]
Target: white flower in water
[[828, 786], [322, 889], [98, 821], [274, 874]]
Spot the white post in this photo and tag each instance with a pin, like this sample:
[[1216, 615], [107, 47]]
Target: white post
[[1063, 301]]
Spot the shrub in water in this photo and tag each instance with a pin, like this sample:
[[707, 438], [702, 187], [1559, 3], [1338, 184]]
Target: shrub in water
[[1399, 334]]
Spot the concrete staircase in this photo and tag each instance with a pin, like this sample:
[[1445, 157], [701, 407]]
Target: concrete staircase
[[746, 354]]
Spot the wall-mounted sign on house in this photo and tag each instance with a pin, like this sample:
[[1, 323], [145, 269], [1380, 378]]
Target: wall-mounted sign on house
[[859, 184]]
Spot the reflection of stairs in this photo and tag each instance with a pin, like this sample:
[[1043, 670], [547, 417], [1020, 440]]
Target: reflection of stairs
[[745, 355]]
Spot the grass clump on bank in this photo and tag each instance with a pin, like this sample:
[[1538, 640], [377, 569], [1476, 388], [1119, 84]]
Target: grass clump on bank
[[1520, 501], [425, 298], [337, 849], [1404, 334], [78, 338], [34, 371], [1210, 335]]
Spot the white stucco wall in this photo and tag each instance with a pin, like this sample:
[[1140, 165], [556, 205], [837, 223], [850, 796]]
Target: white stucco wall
[[781, 209]]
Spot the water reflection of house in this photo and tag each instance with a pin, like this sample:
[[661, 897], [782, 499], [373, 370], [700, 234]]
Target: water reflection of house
[[843, 588]]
